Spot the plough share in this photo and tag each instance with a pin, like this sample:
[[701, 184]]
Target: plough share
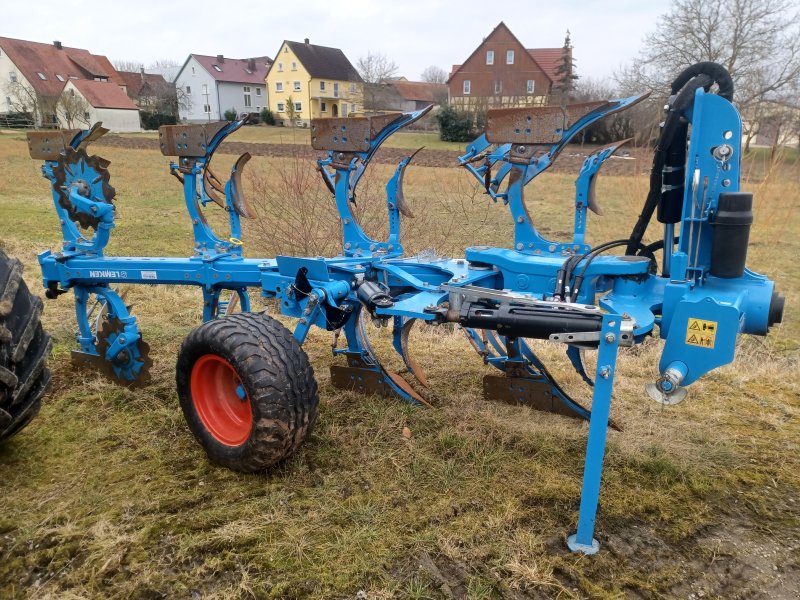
[[244, 382]]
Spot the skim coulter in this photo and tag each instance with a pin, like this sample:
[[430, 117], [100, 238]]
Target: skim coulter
[[244, 382]]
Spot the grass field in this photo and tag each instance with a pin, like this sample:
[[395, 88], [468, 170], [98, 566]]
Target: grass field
[[107, 495]]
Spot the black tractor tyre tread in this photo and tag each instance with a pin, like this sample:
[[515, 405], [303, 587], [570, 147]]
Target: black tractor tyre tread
[[279, 380], [24, 349]]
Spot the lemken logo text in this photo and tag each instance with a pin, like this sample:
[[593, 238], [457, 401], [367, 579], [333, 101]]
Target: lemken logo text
[[106, 274]]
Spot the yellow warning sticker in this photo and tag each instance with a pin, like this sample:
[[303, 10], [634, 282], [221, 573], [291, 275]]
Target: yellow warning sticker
[[701, 333]]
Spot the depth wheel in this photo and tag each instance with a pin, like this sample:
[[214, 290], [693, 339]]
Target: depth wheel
[[247, 391]]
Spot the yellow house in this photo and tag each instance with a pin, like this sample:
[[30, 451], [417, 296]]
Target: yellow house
[[307, 81]]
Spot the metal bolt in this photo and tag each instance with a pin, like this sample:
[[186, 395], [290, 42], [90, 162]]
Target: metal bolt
[[520, 246], [347, 246], [520, 219], [521, 149], [610, 338], [605, 372], [552, 248], [303, 321], [347, 221]]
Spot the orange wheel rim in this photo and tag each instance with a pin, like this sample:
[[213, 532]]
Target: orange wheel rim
[[220, 400]]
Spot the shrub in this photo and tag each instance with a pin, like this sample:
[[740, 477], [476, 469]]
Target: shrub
[[154, 120], [231, 114], [267, 116], [455, 125]]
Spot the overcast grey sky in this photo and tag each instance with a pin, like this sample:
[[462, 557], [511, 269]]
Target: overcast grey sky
[[414, 33]]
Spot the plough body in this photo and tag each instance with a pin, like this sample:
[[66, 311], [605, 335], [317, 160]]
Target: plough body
[[566, 291]]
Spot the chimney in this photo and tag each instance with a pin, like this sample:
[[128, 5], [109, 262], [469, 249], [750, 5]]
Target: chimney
[[306, 41], [251, 64], [58, 45], [220, 58]]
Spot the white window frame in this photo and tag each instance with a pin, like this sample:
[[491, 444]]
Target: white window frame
[[60, 78], [207, 109], [467, 87], [217, 68], [278, 86], [258, 91], [323, 107], [321, 86], [509, 57], [281, 107], [296, 86], [490, 57], [205, 89], [294, 66], [353, 108], [280, 67], [498, 86], [298, 107], [352, 88], [531, 86], [344, 109], [42, 76]]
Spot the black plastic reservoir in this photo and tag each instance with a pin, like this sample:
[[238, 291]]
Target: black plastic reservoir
[[731, 224]]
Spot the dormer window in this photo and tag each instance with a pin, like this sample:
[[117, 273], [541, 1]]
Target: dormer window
[[41, 76], [217, 68], [59, 77]]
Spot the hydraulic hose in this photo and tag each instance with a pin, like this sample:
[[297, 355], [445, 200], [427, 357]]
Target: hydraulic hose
[[674, 133]]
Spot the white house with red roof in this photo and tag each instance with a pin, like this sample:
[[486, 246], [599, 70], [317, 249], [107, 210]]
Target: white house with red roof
[[213, 85], [57, 85]]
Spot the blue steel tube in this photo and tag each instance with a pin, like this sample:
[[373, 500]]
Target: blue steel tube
[[583, 541]]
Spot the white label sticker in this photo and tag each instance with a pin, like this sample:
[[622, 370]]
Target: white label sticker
[[149, 275]]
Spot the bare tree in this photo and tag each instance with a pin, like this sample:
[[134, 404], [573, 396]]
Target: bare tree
[[757, 41], [164, 63], [73, 109], [434, 74], [24, 99], [129, 66], [375, 69]]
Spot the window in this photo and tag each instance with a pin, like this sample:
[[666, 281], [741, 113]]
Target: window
[[296, 86], [188, 89], [321, 86], [205, 88], [207, 109], [280, 67], [352, 88], [285, 50], [294, 66], [104, 79], [510, 57], [466, 86], [59, 77], [278, 86], [258, 91], [353, 108], [86, 115], [246, 90], [192, 70], [298, 106], [323, 107], [12, 76], [498, 87], [335, 90], [41, 76], [72, 92], [344, 110], [281, 107], [217, 68], [490, 57], [530, 86]]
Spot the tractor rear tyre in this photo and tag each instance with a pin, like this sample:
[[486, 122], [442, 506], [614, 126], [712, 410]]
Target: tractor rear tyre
[[247, 391], [24, 348]]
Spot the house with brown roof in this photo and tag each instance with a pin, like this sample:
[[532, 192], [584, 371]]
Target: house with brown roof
[[35, 78], [212, 85], [150, 92], [501, 71], [400, 94], [307, 81]]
